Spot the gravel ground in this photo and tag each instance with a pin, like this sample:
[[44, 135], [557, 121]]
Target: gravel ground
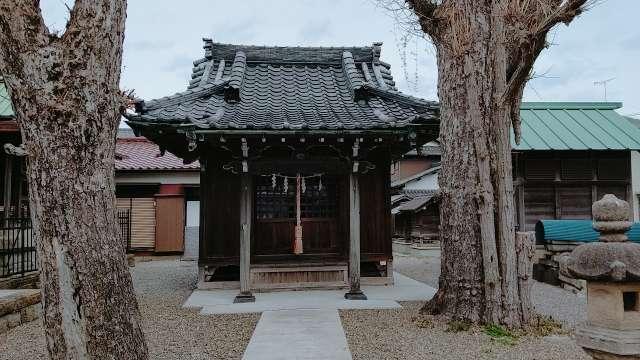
[[562, 305], [171, 332], [176, 333], [395, 334]]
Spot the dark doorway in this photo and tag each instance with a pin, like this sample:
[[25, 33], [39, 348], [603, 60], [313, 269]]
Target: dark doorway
[[275, 214]]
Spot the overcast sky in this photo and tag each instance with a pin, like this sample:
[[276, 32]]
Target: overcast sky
[[163, 37]]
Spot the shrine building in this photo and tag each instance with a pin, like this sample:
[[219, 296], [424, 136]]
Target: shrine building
[[295, 146]]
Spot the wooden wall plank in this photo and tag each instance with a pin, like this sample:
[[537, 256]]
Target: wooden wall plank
[[143, 221], [375, 207], [170, 223], [221, 212]]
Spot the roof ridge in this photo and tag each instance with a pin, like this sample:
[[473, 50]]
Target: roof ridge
[[570, 105], [306, 54], [179, 97], [232, 90], [355, 83], [209, 42]]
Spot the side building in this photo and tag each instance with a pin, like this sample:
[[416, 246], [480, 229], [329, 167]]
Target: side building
[[161, 196], [571, 154], [17, 245]]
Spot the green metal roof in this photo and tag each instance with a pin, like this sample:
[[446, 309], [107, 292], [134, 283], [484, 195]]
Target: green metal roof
[[574, 231], [6, 110], [576, 126]]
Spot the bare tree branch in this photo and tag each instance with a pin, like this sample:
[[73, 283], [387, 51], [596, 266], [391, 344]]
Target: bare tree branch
[[405, 19], [426, 12], [534, 42]]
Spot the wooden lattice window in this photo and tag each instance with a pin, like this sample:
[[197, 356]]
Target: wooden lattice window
[[318, 200], [273, 202]]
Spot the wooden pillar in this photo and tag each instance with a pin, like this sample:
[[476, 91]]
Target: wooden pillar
[[246, 214], [408, 230], [355, 293]]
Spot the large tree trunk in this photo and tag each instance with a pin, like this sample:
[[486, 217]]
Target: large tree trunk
[[485, 52], [68, 104], [477, 227]]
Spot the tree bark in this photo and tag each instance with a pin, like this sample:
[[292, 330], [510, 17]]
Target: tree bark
[[526, 251], [65, 90], [485, 52]]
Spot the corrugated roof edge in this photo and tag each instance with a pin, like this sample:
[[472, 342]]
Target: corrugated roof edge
[[571, 105], [6, 107]]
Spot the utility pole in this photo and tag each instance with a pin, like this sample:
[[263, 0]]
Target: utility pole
[[603, 83]]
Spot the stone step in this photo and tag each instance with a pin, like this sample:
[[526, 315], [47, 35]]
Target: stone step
[[18, 307]]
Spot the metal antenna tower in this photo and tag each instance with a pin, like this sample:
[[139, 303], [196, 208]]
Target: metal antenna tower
[[604, 83]]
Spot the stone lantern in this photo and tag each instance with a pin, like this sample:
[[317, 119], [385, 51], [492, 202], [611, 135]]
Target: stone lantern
[[611, 268]]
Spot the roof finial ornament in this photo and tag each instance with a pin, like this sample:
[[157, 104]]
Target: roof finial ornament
[[613, 258], [612, 270], [611, 216]]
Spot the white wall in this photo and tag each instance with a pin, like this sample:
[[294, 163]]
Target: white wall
[[427, 182], [193, 213], [635, 183]]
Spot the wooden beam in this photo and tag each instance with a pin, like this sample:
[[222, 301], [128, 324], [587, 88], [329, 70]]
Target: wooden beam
[[355, 293], [246, 196]]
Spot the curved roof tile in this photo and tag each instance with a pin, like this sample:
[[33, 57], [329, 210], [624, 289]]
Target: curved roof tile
[[288, 88]]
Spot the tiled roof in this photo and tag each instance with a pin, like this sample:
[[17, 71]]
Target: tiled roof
[[576, 126], [6, 110], [413, 193], [252, 87], [432, 170], [141, 154], [418, 202]]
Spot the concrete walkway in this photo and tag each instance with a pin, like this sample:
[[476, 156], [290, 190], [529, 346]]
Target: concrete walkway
[[298, 334], [305, 324], [379, 297]]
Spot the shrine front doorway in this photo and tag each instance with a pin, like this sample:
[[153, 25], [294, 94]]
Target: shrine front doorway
[[299, 237]]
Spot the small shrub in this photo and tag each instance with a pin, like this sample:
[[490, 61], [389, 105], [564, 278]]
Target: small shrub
[[545, 326], [456, 326], [500, 335]]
